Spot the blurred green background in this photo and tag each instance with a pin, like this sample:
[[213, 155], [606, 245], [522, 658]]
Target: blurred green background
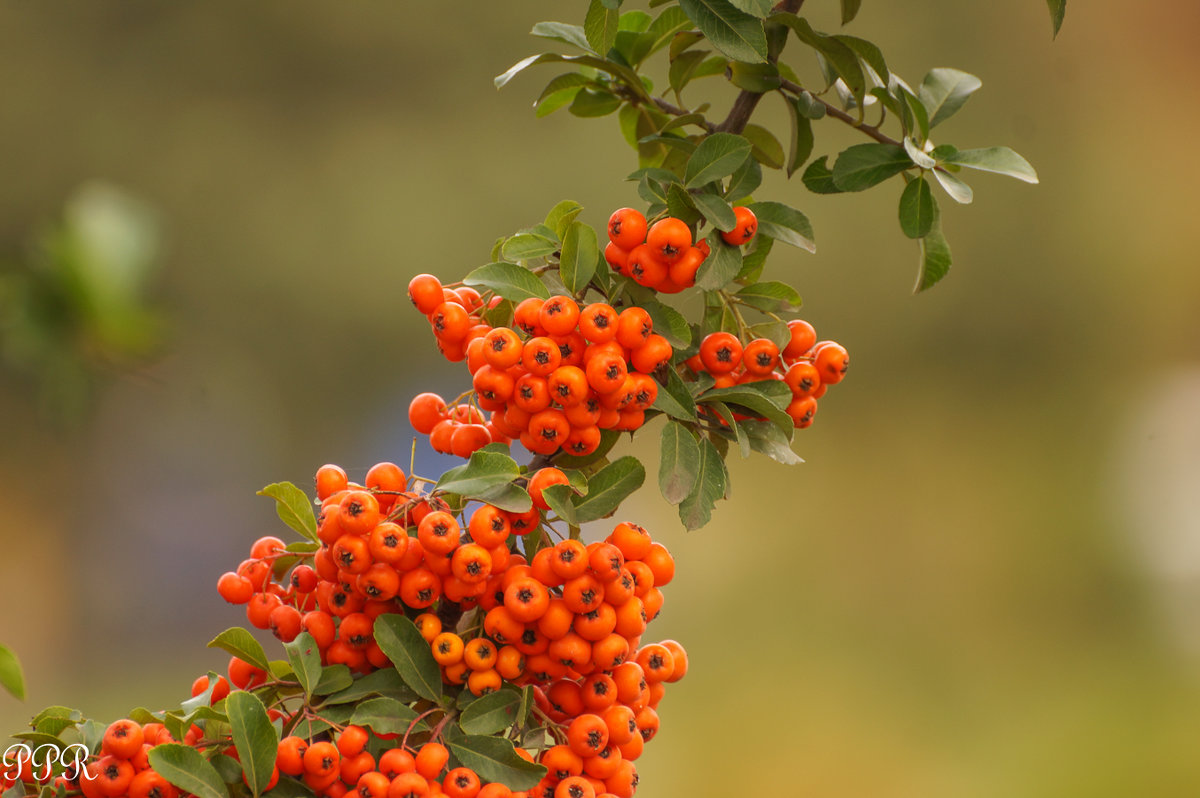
[[985, 581]]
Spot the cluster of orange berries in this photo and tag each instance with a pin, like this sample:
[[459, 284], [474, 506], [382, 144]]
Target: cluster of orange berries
[[807, 366], [662, 255], [554, 380], [568, 620]]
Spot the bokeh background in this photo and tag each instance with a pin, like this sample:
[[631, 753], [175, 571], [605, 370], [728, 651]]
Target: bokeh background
[[985, 581]]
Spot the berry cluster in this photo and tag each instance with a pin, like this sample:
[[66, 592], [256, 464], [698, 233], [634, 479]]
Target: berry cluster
[[807, 366], [566, 618], [554, 380], [662, 255]]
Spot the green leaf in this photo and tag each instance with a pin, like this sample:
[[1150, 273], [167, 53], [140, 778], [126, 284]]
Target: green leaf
[[580, 253], [755, 259], [801, 144], [254, 736], [917, 208], [618, 71], [484, 471], [784, 223], [735, 33], [756, 8], [294, 508], [869, 54], [766, 148], [767, 398], [935, 256], [818, 178], [562, 32], [526, 246], [608, 439], [610, 486], [333, 679], [1058, 9], [917, 155], [491, 713], [386, 715], [590, 103], [849, 10], [768, 439], [680, 204], [696, 510], [837, 55], [305, 659], [559, 92], [402, 643], [943, 92], [864, 165], [770, 296], [723, 263], [240, 643], [494, 759], [1000, 160], [916, 109], [600, 26], [12, 678], [385, 682], [731, 430], [744, 181], [675, 400], [561, 216], [662, 30], [683, 69], [717, 211], [679, 462], [718, 156], [959, 191], [187, 769], [508, 497], [559, 499], [669, 323], [757, 78]]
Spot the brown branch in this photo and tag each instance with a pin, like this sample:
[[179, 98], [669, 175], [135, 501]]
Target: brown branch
[[747, 101], [837, 113]]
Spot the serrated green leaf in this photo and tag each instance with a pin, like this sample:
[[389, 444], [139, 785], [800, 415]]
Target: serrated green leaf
[[402, 643], [385, 682], [305, 659], [849, 10], [766, 438], [718, 156], [784, 223], [12, 677], [483, 472], [1000, 160], [721, 266], [240, 643], [864, 165], [386, 715], [771, 296], [294, 508], [696, 510], [254, 736], [735, 33], [818, 177], [608, 487], [562, 32], [767, 398], [1058, 9], [494, 759], [187, 769], [600, 26], [917, 208], [959, 191], [580, 253], [935, 258], [943, 92], [561, 215], [800, 146], [491, 713], [679, 462]]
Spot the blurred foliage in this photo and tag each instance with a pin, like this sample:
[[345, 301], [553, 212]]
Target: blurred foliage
[[75, 306]]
